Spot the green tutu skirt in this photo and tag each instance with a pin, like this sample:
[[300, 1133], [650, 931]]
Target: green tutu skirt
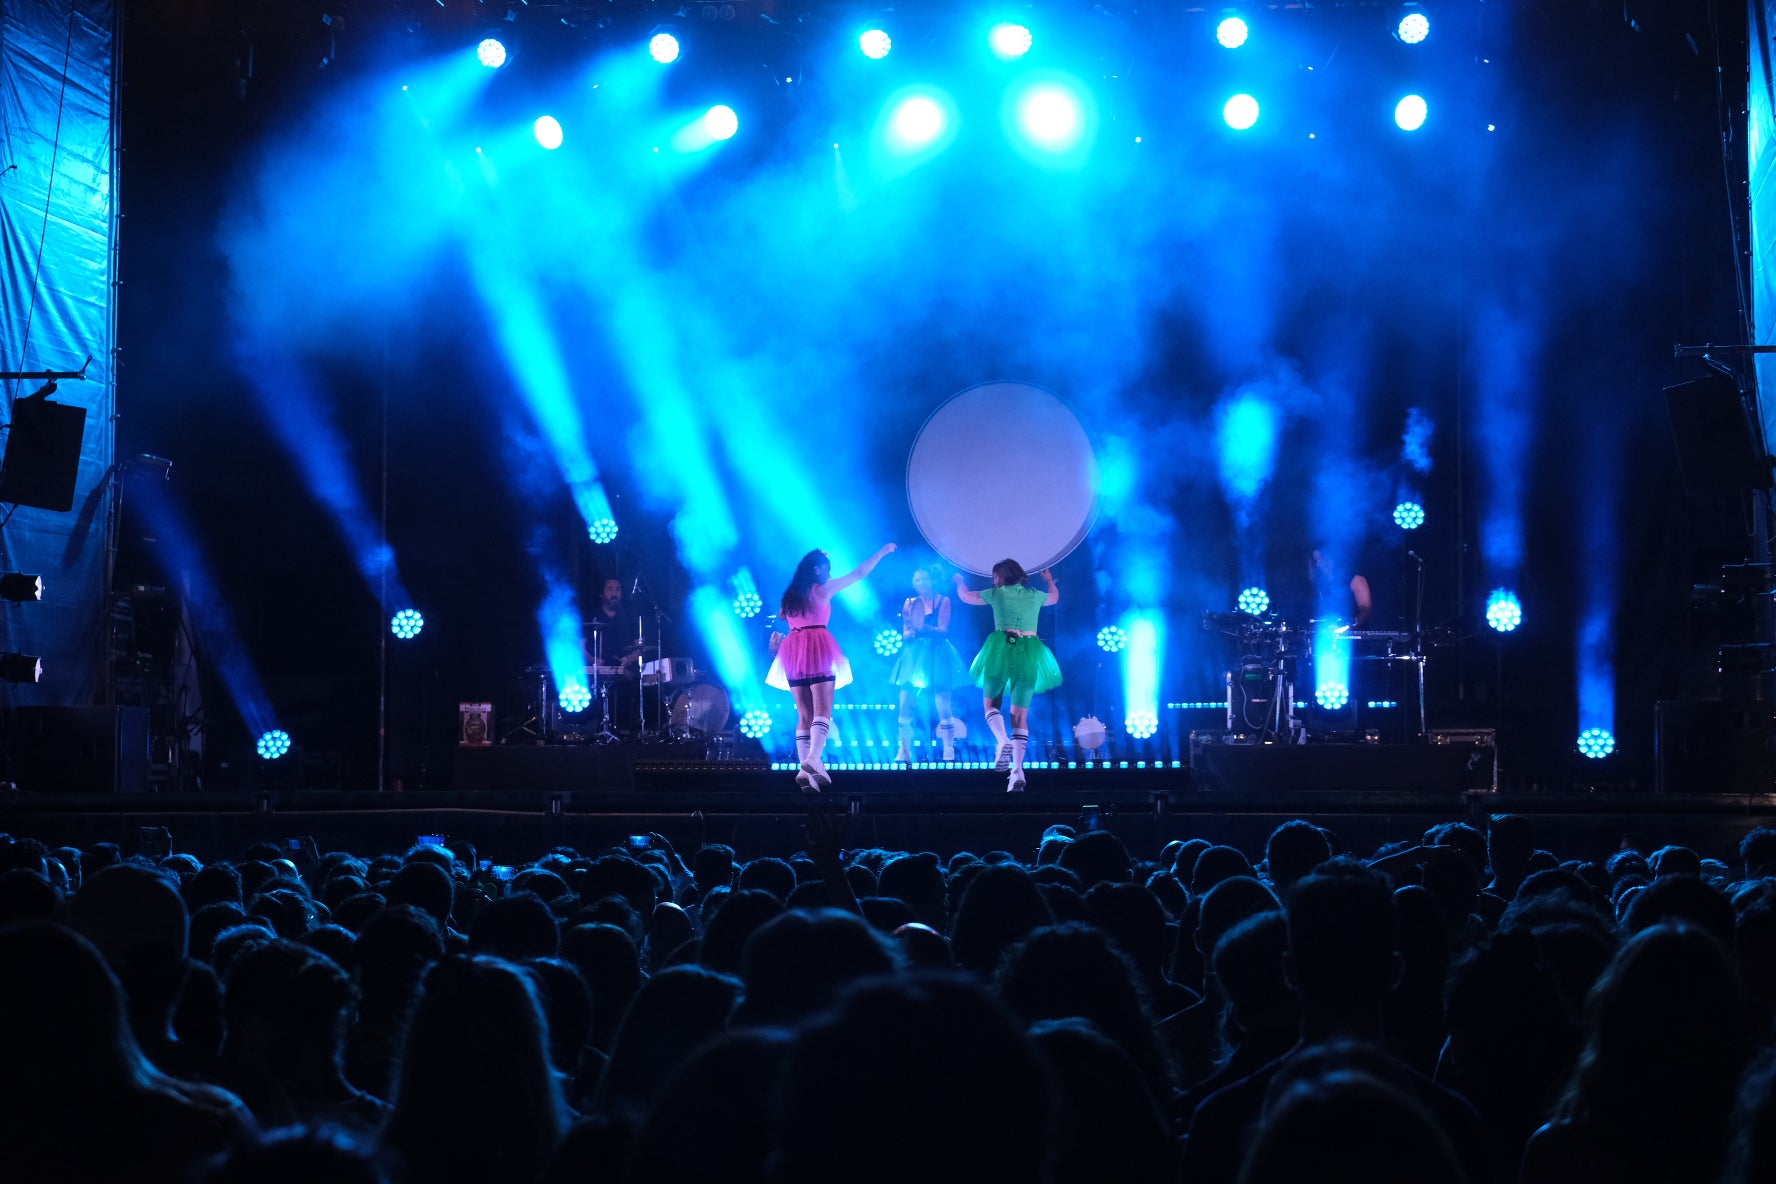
[[1020, 666], [928, 664]]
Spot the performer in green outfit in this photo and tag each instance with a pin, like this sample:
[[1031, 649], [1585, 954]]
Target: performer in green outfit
[[1013, 662]]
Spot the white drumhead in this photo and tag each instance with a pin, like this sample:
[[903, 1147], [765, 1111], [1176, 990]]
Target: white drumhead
[[1003, 470]]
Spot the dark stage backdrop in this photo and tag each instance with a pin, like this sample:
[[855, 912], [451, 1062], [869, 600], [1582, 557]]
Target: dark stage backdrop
[[57, 267]]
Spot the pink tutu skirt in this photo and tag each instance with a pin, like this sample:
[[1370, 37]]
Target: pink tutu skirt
[[809, 655]]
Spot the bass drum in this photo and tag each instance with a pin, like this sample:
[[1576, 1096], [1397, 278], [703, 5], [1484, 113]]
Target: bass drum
[[700, 709]]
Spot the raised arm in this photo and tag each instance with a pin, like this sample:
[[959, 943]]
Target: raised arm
[[834, 586], [1054, 589], [966, 594], [1365, 602]]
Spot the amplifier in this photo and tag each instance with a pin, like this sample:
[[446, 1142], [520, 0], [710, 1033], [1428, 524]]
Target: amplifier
[[1482, 762]]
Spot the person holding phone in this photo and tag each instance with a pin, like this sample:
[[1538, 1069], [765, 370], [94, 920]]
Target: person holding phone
[[1012, 663], [809, 663]]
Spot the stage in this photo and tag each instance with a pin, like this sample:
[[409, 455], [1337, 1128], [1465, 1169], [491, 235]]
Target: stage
[[527, 800]]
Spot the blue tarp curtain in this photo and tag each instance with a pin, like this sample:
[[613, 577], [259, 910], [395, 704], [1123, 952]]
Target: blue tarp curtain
[[57, 267]]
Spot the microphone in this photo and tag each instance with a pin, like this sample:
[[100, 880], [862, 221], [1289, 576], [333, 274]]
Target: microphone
[[635, 588], [1417, 556]]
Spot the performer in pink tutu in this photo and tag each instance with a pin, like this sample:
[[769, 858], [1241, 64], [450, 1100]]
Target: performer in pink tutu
[[809, 663]]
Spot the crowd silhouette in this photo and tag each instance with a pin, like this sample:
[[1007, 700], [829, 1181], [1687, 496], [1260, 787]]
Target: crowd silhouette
[[1461, 1006]]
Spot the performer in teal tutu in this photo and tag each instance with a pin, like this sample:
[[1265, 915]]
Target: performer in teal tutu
[[1013, 662], [927, 662]]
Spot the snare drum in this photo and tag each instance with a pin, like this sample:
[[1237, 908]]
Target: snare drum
[[702, 708]]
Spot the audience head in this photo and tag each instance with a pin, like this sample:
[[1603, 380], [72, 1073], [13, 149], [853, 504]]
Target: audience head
[[1343, 941], [1294, 849], [1000, 907], [1097, 857]]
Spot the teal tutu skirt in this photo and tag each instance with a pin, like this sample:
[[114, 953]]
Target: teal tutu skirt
[[1009, 662], [928, 664]]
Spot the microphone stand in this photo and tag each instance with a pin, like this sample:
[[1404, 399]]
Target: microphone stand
[[1418, 646]]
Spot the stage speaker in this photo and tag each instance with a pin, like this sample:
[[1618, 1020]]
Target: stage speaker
[[42, 454], [1709, 746], [81, 749], [1716, 448]]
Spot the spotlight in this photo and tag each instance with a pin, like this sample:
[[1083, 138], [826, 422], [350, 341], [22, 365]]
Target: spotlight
[[1504, 612], [1409, 515], [663, 48], [603, 530], [918, 121], [1413, 28], [888, 641], [18, 587], [1596, 743], [1141, 724], [1240, 112], [548, 132], [21, 668], [748, 605], [1410, 112], [1009, 41], [406, 624], [575, 698], [1254, 600], [491, 53], [273, 744], [754, 724], [1112, 640], [721, 123], [875, 44], [1332, 695], [1232, 32], [1051, 117]]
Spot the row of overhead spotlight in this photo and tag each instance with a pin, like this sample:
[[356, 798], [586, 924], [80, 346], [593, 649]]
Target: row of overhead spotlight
[[1005, 40]]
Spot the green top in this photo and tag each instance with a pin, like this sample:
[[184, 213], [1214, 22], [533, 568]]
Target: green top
[[1015, 606]]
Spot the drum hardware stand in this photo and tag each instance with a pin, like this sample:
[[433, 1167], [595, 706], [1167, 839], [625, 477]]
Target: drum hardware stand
[[662, 726], [601, 688], [535, 725]]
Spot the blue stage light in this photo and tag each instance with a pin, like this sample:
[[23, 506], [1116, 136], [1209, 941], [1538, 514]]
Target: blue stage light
[[548, 132], [1051, 117], [1141, 724], [918, 121], [1332, 695], [875, 44], [1596, 743], [1112, 639], [273, 744], [720, 122], [1008, 40], [1409, 515], [575, 698], [406, 624], [1413, 28], [1240, 112], [1254, 600], [748, 605], [889, 641], [1410, 112], [1504, 612], [755, 724], [491, 53], [603, 530], [1232, 32], [663, 48]]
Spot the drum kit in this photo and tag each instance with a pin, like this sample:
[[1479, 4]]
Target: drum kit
[[645, 701]]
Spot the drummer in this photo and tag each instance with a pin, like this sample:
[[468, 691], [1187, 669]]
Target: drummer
[[619, 630]]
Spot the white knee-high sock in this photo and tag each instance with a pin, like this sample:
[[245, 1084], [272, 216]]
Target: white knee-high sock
[[817, 737], [946, 732], [1020, 739], [906, 734], [996, 724], [801, 747]]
